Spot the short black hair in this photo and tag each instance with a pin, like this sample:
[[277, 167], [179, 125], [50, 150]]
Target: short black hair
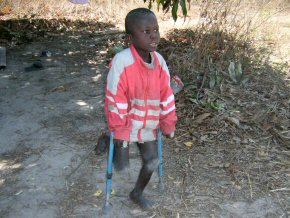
[[133, 17]]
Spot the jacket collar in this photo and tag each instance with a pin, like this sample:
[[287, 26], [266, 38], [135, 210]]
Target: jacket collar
[[139, 60]]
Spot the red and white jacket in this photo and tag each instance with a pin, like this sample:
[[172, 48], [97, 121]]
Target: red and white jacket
[[139, 98]]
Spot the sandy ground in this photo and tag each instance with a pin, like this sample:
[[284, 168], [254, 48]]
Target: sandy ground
[[50, 121]]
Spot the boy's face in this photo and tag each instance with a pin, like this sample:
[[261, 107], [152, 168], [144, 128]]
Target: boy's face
[[145, 34]]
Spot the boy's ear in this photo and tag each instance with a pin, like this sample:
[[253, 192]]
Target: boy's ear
[[129, 37]]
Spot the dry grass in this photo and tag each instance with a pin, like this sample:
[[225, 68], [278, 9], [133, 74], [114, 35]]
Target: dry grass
[[104, 11]]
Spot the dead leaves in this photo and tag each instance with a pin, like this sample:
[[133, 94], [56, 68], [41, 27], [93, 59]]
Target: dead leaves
[[62, 88], [98, 193], [239, 103], [282, 137], [233, 120], [199, 119], [188, 144], [30, 28], [5, 10]]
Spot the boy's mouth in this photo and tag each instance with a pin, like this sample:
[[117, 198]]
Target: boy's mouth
[[154, 44]]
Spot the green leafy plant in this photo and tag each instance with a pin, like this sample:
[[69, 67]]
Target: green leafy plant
[[171, 4], [215, 105], [214, 79], [235, 72], [114, 50]]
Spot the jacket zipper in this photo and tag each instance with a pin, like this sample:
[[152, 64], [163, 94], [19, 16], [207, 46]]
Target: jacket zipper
[[145, 99]]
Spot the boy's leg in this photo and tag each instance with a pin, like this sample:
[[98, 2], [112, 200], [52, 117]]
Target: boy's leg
[[121, 155], [150, 161], [103, 143]]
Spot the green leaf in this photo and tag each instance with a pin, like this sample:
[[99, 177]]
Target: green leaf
[[239, 71], [193, 100], [166, 5], [190, 87], [174, 9], [160, 2], [232, 71], [212, 82], [218, 79], [184, 9], [150, 4]]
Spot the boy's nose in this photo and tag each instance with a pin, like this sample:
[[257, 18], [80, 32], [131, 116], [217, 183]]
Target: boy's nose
[[154, 35]]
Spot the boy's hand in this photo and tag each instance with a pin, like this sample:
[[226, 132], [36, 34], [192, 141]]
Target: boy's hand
[[170, 136]]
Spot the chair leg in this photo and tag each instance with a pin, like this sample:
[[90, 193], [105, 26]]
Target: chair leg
[[109, 174], [160, 170]]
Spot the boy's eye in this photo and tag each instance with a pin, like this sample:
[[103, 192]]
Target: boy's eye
[[148, 31]]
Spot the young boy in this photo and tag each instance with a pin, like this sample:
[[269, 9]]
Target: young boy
[[139, 99]]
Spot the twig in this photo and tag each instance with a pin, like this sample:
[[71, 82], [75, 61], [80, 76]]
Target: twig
[[280, 189], [81, 163], [5, 28], [181, 135], [282, 163], [202, 84], [190, 164], [250, 184]]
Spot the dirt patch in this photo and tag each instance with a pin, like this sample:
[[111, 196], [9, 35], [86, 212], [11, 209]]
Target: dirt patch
[[49, 120]]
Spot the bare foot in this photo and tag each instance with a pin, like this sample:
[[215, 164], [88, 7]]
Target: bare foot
[[140, 200]]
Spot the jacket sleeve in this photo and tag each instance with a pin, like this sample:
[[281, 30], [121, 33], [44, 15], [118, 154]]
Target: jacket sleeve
[[116, 104], [168, 116]]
